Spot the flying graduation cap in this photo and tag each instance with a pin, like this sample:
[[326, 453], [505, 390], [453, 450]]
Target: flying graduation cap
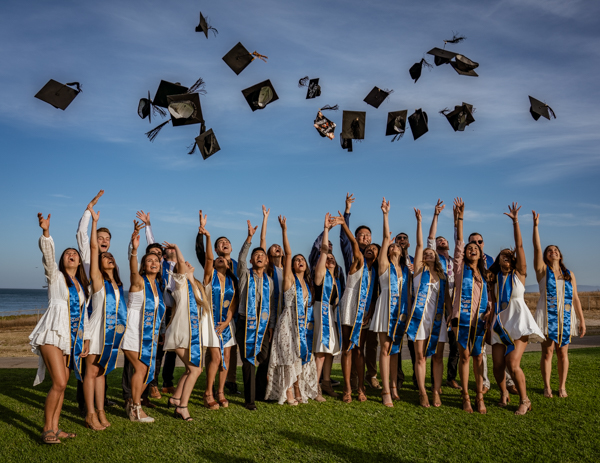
[[353, 128], [206, 143], [538, 109], [418, 123], [59, 95], [396, 124], [238, 58], [314, 89], [146, 108], [461, 117], [260, 95], [415, 69], [460, 63], [324, 126], [203, 26], [377, 96]]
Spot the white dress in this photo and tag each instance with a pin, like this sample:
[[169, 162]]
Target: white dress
[[133, 335], [429, 311], [381, 316], [334, 342], [177, 335], [349, 302], [285, 364], [517, 319], [54, 328], [209, 334], [95, 334]]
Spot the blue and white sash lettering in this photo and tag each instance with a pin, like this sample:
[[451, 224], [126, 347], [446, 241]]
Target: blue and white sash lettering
[[367, 282], [221, 301], [326, 334], [76, 317], [559, 328], [256, 326], [504, 287], [195, 347], [115, 321], [397, 306], [152, 318], [305, 323], [464, 318]]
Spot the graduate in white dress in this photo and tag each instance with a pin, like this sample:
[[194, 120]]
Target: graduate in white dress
[[58, 336], [558, 312], [184, 334], [218, 329], [292, 369]]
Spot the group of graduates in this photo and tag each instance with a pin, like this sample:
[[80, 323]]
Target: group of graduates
[[288, 316]]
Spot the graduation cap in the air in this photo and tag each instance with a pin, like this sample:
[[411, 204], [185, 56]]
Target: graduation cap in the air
[[238, 58], [206, 142], [203, 26], [396, 124], [314, 89], [166, 89], [418, 123], [460, 63], [260, 95], [185, 109], [324, 126], [441, 56], [353, 128], [415, 69], [146, 108], [377, 96], [460, 117], [59, 95], [538, 109]]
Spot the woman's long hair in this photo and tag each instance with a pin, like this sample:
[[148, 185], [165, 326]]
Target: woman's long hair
[[79, 273], [105, 276], [566, 274], [437, 266], [143, 268], [307, 277], [485, 274], [496, 268]]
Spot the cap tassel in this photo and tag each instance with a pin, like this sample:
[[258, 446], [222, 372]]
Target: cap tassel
[[76, 84], [552, 115], [426, 64], [259, 56], [198, 87], [154, 132], [445, 111], [398, 136], [193, 148], [303, 82], [455, 39], [329, 108], [389, 92], [158, 110], [210, 28]]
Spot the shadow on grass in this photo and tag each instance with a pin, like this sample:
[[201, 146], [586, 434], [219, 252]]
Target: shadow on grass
[[17, 420]]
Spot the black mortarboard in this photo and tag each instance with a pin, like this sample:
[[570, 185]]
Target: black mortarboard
[[460, 117], [538, 109], [396, 124], [238, 58], [464, 66], [314, 89], [207, 144], [203, 26], [377, 96], [353, 125], [441, 56], [185, 109], [260, 95], [346, 144], [58, 95], [418, 123], [415, 69], [324, 126], [164, 90]]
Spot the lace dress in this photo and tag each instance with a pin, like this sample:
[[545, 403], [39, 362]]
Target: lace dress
[[285, 365]]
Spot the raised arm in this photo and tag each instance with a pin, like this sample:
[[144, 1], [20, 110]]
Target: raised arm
[[137, 282], [538, 257], [384, 262], [145, 218], [200, 253], [263, 228], [47, 247], [83, 240], [459, 212], [419, 250], [95, 274], [439, 207], [210, 257], [513, 214], [181, 267], [242, 268], [358, 258], [321, 266], [348, 251], [288, 274]]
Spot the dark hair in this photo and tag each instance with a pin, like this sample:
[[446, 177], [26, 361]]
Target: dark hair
[[307, 277], [143, 270], [496, 268], [475, 233], [105, 230], [360, 228], [485, 274], [219, 239], [437, 267], [270, 267], [401, 233], [155, 245], [79, 274], [257, 249], [566, 274], [438, 237], [105, 276], [403, 255]]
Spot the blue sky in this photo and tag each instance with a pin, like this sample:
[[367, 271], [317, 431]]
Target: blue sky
[[55, 161]]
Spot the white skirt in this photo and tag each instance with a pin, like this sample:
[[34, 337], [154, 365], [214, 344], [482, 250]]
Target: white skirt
[[95, 333], [518, 322], [209, 334], [427, 323], [133, 333], [334, 343], [349, 302]]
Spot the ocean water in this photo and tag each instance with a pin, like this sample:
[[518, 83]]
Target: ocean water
[[17, 301]]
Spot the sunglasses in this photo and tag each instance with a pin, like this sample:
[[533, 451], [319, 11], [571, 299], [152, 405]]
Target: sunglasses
[[477, 241]]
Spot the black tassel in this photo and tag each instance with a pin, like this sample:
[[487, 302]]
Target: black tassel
[[444, 111], [355, 129], [158, 110], [398, 136], [455, 39], [198, 87], [76, 84], [425, 63], [303, 82], [193, 149], [154, 132], [552, 115], [329, 108], [210, 28]]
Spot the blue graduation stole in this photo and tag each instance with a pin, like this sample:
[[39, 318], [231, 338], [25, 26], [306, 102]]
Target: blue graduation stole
[[464, 318], [444, 263], [234, 265], [256, 326], [338, 317], [115, 321], [559, 330], [397, 306], [76, 317], [195, 348], [367, 283], [325, 309], [305, 323], [166, 268], [153, 315], [221, 301], [276, 291], [504, 287], [489, 261]]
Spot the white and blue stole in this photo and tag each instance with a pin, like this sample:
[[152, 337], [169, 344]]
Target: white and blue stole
[[338, 316], [367, 283], [166, 269], [504, 288], [558, 328], [326, 334], [195, 347], [397, 306], [276, 292], [152, 318], [464, 318], [76, 317], [256, 323], [115, 321], [221, 301], [304, 323]]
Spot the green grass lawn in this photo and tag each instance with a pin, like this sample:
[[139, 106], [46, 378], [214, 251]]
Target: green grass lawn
[[556, 429]]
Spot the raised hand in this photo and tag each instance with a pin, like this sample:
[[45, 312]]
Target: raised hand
[[266, 212], [439, 207], [44, 223], [169, 245], [459, 208], [95, 200], [282, 222], [514, 212], [328, 222], [349, 201], [385, 206], [135, 240], [144, 217], [137, 226], [203, 231], [202, 220], [95, 215], [536, 219], [418, 214], [251, 230], [337, 220]]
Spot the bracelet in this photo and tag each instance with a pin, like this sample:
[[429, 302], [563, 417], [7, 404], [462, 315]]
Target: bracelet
[[460, 218], [515, 221], [132, 254]]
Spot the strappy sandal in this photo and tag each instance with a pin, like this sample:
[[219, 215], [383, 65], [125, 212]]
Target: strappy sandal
[[527, 404], [211, 405], [503, 403], [223, 402], [361, 396], [389, 404], [178, 415], [548, 393], [466, 399], [292, 402], [562, 393], [437, 401], [66, 435], [424, 400], [480, 403], [102, 418], [173, 404], [395, 395], [50, 437], [347, 397]]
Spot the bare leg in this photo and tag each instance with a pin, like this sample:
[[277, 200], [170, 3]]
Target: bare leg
[[358, 355], [420, 371], [478, 371], [562, 354], [56, 365], [513, 361], [319, 360], [222, 372], [394, 375], [546, 365], [346, 361], [384, 362], [191, 376], [498, 351], [214, 365], [437, 372], [463, 371], [327, 367], [137, 379], [92, 371]]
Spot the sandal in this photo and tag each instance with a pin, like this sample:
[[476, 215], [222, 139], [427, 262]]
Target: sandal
[[347, 397], [467, 403], [548, 393], [437, 402], [102, 418], [424, 400], [223, 402], [389, 404], [50, 437], [480, 403], [562, 393], [361, 396], [173, 404], [395, 395], [178, 415], [210, 404], [527, 404], [66, 435], [504, 400]]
